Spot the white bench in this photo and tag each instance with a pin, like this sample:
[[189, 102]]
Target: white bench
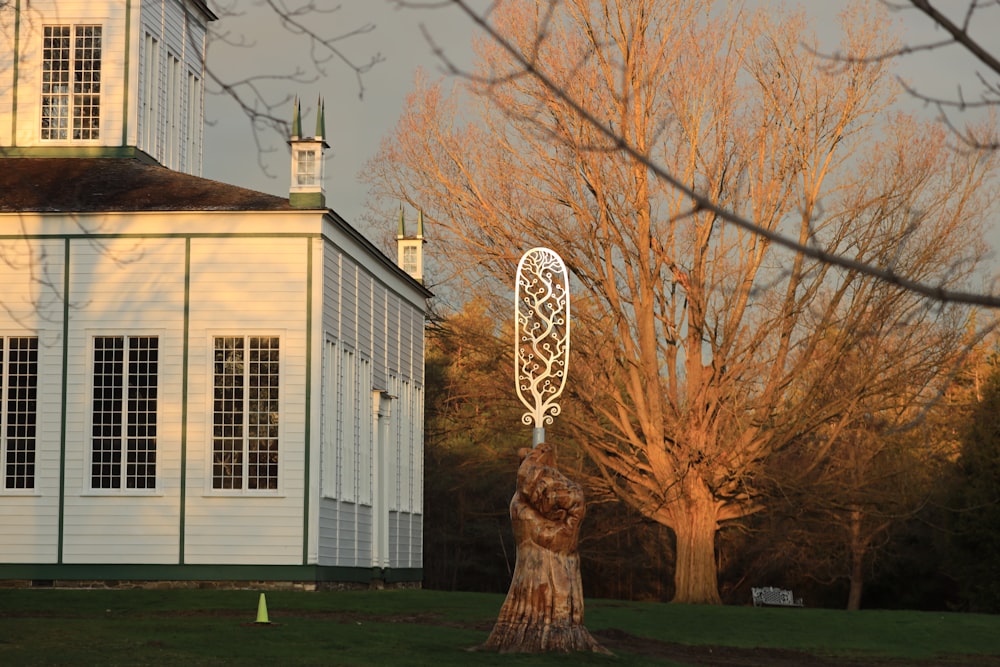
[[770, 596]]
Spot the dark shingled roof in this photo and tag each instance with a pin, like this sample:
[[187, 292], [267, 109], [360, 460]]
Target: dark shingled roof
[[117, 184]]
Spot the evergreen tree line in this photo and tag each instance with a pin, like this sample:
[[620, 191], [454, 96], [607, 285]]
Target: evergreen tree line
[[880, 517]]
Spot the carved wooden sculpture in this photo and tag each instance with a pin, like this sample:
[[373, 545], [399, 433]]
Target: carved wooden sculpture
[[544, 606]]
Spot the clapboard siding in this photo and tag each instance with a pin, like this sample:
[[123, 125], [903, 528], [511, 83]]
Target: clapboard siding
[[239, 527], [363, 315], [121, 529], [6, 77], [31, 273], [124, 287], [405, 540], [348, 315], [194, 45], [393, 333], [180, 37], [30, 526], [185, 277], [363, 326], [362, 517], [345, 534], [136, 285], [111, 16], [174, 26], [379, 335]]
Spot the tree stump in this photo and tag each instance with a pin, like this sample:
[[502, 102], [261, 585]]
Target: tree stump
[[544, 606]]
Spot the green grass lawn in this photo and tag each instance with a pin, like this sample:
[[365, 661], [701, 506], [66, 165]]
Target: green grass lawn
[[412, 627]]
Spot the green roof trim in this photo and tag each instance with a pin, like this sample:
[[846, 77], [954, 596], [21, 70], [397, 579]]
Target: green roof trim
[[141, 572], [77, 151]]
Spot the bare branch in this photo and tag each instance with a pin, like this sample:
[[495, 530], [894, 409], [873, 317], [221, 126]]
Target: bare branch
[[937, 292]]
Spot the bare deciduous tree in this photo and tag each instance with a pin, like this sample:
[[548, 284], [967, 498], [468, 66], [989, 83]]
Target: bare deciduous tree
[[696, 340], [958, 26]]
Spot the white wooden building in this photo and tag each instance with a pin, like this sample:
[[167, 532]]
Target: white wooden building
[[197, 381]]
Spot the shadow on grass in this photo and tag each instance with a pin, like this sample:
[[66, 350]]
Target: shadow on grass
[[193, 627]]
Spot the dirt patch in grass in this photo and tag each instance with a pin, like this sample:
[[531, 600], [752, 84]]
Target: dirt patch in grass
[[621, 642]]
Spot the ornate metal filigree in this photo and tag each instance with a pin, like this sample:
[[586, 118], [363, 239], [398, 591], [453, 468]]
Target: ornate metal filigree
[[541, 336]]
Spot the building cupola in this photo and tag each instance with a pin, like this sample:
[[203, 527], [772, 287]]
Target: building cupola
[[307, 179], [410, 248]]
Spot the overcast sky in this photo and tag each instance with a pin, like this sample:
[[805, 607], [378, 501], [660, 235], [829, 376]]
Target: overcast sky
[[356, 124]]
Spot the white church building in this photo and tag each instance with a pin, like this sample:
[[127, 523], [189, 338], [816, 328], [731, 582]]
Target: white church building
[[198, 382]]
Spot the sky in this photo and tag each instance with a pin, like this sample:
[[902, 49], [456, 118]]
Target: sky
[[357, 120]]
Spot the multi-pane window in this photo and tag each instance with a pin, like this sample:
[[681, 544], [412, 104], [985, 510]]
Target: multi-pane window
[[245, 413], [305, 168], [410, 259], [71, 82], [123, 436], [18, 410]]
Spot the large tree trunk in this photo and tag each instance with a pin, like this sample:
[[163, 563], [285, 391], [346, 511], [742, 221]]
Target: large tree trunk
[[544, 606], [694, 521]]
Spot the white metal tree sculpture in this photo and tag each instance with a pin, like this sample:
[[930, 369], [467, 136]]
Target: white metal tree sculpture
[[541, 336]]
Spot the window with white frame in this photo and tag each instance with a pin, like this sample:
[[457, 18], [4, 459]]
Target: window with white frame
[[410, 259], [18, 410], [71, 82], [306, 168], [245, 415], [123, 419]]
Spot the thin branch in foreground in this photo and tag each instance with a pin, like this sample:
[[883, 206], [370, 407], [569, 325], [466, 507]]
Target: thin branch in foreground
[[887, 275]]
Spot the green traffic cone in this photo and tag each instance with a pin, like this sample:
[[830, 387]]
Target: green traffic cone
[[262, 610]]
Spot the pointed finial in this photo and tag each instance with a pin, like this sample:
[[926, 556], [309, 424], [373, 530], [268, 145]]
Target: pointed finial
[[420, 223], [320, 118], [296, 120], [402, 224]]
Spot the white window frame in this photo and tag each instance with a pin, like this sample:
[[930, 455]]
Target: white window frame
[[31, 416], [244, 435], [123, 473], [73, 91], [411, 263], [306, 167]]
